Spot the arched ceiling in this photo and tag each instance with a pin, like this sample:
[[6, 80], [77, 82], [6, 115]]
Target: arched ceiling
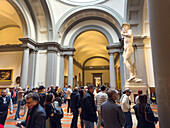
[[89, 44], [10, 24]]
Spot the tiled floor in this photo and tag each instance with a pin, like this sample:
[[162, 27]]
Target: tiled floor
[[66, 121]]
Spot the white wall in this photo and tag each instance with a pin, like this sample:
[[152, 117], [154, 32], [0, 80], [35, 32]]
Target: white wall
[[41, 68], [59, 8], [149, 63], [11, 60]]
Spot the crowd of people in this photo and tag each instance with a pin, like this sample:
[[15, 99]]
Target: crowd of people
[[42, 107]]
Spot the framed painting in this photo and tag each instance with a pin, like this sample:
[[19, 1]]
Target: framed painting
[[6, 75]]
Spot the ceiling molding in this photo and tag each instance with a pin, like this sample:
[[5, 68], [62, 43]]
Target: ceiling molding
[[9, 26], [94, 57]]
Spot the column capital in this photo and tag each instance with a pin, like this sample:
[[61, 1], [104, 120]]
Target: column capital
[[117, 45], [113, 51], [28, 43], [52, 46]]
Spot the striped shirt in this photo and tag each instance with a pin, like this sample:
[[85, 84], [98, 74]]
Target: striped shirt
[[100, 98]]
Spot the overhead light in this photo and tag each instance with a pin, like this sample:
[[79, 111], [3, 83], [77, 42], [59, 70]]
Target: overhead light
[[91, 67]]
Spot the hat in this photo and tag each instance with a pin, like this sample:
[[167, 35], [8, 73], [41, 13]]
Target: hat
[[127, 90], [125, 23], [140, 91]]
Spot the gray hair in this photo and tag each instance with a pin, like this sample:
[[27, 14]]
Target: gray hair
[[3, 90], [111, 92]]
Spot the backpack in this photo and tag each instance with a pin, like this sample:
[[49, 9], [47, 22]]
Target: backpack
[[58, 112]]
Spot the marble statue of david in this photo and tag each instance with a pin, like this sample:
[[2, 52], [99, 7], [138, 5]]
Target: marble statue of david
[[128, 49]]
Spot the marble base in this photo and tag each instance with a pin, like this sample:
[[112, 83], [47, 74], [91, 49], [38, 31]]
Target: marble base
[[135, 87]]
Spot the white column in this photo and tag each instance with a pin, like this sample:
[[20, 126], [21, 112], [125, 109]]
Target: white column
[[70, 70], [55, 69], [112, 71], [159, 20], [24, 70], [31, 71], [61, 80], [122, 73], [50, 69]]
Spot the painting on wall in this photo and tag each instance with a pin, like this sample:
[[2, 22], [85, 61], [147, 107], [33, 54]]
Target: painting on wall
[[6, 75]]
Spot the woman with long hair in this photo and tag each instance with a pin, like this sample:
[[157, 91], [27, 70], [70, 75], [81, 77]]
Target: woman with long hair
[[49, 108], [144, 113]]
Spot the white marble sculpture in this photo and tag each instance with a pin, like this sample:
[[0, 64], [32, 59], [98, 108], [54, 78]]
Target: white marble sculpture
[[128, 51]]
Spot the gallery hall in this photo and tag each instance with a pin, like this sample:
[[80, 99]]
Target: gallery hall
[[79, 56]]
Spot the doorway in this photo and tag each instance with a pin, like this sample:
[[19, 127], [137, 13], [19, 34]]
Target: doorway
[[97, 79]]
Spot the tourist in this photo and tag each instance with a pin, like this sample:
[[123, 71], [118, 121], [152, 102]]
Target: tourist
[[14, 95], [49, 108], [81, 92], [112, 113], [5, 101], [88, 108], [137, 97], [74, 99], [68, 93], [101, 97], [42, 94], [36, 116], [65, 91], [144, 113], [19, 101], [125, 105]]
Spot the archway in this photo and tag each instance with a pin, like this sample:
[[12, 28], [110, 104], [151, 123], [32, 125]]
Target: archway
[[91, 53]]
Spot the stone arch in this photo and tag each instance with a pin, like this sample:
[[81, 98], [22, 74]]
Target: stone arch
[[63, 20], [87, 28], [26, 19], [49, 19]]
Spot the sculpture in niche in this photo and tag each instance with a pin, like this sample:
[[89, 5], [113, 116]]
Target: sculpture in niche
[[128, 51]]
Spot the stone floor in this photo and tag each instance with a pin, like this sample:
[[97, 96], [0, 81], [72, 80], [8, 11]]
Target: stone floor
[[66, 121]]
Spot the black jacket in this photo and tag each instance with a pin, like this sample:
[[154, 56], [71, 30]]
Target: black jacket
[[74, 99], [4, 106], [142, 122], [89, 108], [54, 122], [42, 98], [37, 118]]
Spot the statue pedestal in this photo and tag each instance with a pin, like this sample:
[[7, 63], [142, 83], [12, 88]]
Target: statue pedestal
[[135, 87]]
